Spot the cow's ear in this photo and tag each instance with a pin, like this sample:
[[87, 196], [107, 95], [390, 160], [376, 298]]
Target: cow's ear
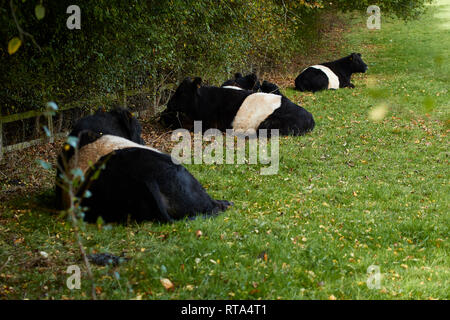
[[237, 75], [197, 82], [359, 54], [87, 136]]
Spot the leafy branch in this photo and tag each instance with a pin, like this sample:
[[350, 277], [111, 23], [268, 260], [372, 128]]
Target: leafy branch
[[14, 44], [71, 180]]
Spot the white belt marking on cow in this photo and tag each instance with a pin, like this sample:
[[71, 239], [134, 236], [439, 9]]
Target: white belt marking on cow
[[333, 80], [232, 87], [254, 110], [92, 152]]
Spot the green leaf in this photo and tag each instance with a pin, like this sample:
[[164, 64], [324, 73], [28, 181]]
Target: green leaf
[[39, 11], [14, 45], [77, 173]]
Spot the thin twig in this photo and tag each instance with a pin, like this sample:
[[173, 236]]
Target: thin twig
[[80, 244], [4, 265], [4, 174], [160, 136], [19, 28]]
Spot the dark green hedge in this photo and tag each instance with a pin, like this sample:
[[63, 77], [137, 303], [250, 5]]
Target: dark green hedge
[[138, 43]]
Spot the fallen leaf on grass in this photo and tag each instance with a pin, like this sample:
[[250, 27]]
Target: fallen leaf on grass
[[167, 283]]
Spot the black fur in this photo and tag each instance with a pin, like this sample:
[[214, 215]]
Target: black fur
[[232, 82], [175, 120], [118, 122], [140, 184], [249, 82], [217, 107], [312, 79], [269, 87], [290, 119]]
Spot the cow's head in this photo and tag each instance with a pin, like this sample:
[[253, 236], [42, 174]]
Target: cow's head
[[249, 82], [129, 123], [269, 87], [356, 63], [175, 120], [119, 122], [184, 97], [237, 76]]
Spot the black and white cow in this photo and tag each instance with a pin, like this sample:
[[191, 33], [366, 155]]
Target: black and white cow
[[249, 82], [330, 75], [137, 183], [119, 122], [240, 110], [175, 120]]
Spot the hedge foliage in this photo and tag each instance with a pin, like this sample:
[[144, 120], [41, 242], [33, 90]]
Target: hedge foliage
[[141, 43]]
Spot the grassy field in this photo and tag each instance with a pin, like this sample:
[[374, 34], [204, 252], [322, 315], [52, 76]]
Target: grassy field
[[351, 194]]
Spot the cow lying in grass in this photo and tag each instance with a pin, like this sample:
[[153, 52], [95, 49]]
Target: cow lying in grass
[[330, 75], [176, 119], [240, 110], [119, 122], [137, 183]]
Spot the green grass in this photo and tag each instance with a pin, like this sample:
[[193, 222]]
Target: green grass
[[351, 194]]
